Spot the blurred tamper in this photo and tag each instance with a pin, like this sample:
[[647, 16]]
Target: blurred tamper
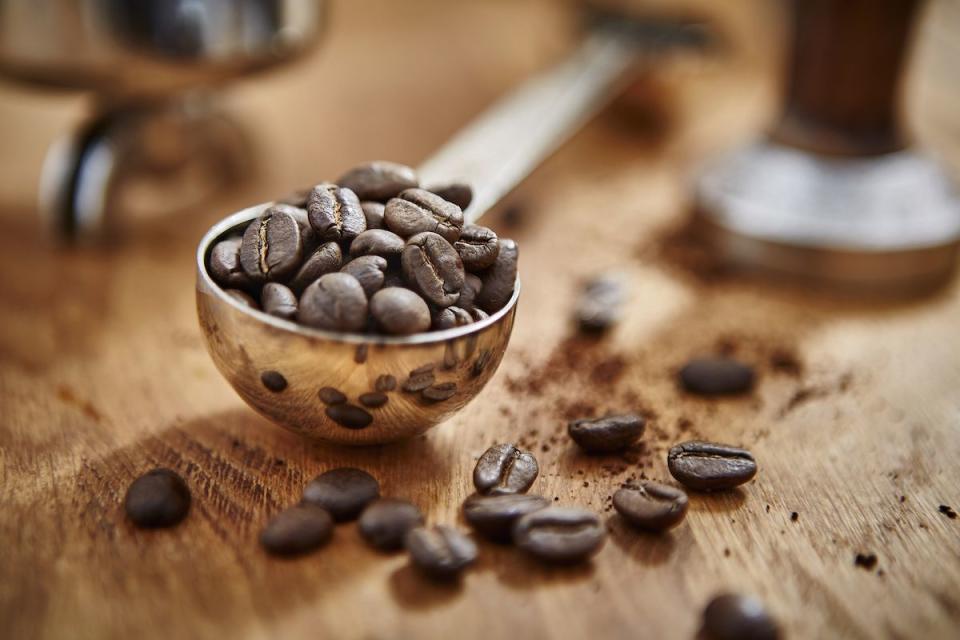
[[835, 195], [153, 67]]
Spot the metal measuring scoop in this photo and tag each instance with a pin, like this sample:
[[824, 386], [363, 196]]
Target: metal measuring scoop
[[356, 388]]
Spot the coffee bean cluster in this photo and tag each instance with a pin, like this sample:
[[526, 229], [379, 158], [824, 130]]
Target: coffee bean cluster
[[373, 253]]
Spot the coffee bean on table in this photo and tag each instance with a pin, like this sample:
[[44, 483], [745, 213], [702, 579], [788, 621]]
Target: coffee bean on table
[[418, 381], [459, 193], [737, 617], [478, 247], [706, 466], [451, 317], [716, 376], [415, 211], [439, 392], [159, 498], [468, 294], [343, 492], [600, 304], [499, 280], [369, 272], [433, 268], [503, 468], [610, 433], [242, 297], [349, 416], [493, 516], [377, 242], [379, 181], [650, 505], [273, 381], [332, 396], [399, 311], [336, 302], [560, 534], [440, 552], [325, 259], [373, 399], [297, 530], [271, 248], [225, 266], [278, 300], [386, 382], [373, 212], [335, 214], [385, 522]]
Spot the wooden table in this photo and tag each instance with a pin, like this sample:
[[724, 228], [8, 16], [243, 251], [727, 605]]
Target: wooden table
[[854, 422]]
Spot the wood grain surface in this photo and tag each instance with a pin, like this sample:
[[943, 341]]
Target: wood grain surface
[[855, 421]]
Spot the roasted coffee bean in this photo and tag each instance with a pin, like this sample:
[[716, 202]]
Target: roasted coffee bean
[[399, 311], [415, 211], [373, 399], [459, 193], [737, 617], [600, 304], [439, 392], [308, 237], [468, 294], [271, 248], [706, 466], [297, 530], [440, 552], [505, 469], [159, 498], [499, 280], [332, 396], [493, 516], [349, 416], [379, 181], [611, 433], [451, 317], [433, 267], [335, 302], [478, 314], [335, 214], [650, 505], [377, 242], [225, 266], [386, 382], [273, 381], [344, 492], [384, 523], [418, 381], [369, 272], [716, 376], [560, 534], [278, 300], [373, 212], [325, 259], [478, 247], [243, 298]]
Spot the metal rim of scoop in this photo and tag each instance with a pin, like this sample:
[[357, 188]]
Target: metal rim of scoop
[[235, 220]]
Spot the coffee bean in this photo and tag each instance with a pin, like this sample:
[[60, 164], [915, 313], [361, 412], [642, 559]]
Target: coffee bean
[[459, 193], [478, 314], [560, 534], [278, 300], [493, 516], [373, 399], [611, 433], [440, 552], [273, 381], [335, 302], [600, 304], [271, 248], [243, 298], [335, 214], [325, 259], [478, 247], [705, 466], [716, 376], [499, 280], [505, 469], [369, 272], [379, 181], [377, 242], [386, 382], [433, 268], [159, 498], [349, 416], [737, 617], [468, 294], [399, 311], [308, 237], [297, 530], [439, 392], [373, 212], [224, 265], [451, 317], [651, 506], [418, 381], [332, 396], [343, 492], [415, 211], [384, 523]]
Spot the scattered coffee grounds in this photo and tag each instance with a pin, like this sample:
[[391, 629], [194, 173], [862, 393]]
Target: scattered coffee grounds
[[600, 304], [603, 435], [716, 376], [651, 506], [297, 530], [493, 517], [344, 492], [503, 469], [385, 522], [947, 511], [440, 552], [159, 498], [706, 466], [865, 561], [560, 534], [737, 617], [373, 253]]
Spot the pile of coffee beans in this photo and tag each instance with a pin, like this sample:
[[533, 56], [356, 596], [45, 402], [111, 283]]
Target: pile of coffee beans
[[372, 253]]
